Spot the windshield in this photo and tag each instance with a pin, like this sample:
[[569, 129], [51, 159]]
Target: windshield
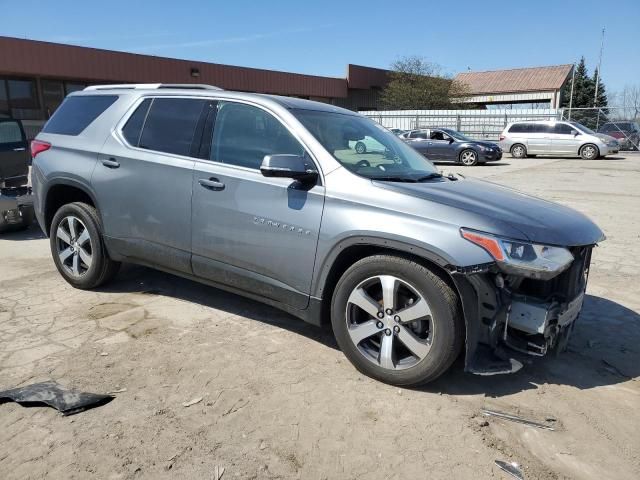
[[582, 128], [457, 135], [365, 147]]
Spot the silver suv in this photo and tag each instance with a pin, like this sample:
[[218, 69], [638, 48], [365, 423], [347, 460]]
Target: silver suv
[[525, 139], [262, 196]]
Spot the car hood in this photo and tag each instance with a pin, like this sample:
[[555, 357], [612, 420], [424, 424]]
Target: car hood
[[501, 211], [484, 144], [605, 138]]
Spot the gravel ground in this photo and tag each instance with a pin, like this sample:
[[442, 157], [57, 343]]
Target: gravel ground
[[280, 401]]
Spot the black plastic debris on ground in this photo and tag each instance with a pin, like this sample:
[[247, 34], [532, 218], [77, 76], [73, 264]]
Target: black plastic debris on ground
[[67, 401]]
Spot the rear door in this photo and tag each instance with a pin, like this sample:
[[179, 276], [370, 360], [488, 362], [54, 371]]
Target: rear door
[[565, 139], [143, 181], [253, 233], [538, 138], [14, 155]]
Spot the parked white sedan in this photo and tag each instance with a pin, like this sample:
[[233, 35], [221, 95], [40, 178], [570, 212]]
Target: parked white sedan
[[367, 145]]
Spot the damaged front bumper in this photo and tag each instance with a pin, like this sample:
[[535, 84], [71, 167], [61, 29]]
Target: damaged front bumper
[[505, 314]]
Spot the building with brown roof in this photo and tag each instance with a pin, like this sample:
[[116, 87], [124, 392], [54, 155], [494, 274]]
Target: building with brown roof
[[35, 77], [538, 87]]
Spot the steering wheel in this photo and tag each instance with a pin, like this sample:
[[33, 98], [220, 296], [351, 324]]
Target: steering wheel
[[363, 163]]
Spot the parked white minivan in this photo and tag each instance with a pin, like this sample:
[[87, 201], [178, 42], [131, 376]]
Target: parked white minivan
[[549, 137]]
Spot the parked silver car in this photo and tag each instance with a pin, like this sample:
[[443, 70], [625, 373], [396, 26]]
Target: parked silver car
[[546, 137], [262, 196]]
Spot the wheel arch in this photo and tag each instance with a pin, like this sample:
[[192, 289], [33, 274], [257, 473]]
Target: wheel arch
[[62, 191], [353, 249]]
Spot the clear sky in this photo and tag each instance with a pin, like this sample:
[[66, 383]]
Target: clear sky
[[322, 37]]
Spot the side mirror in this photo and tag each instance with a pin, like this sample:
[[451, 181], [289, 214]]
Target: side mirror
[[451, 140], [288, 166], [576, 133]]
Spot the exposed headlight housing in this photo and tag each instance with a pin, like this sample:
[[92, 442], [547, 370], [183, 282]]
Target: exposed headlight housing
[[522, 258]]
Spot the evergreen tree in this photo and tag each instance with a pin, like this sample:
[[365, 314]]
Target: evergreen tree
[[584, 90]]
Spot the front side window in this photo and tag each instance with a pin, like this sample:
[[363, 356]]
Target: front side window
[[582, 128], [170, 125], [244, 134], [563, 129], [10, 132], [396, 161]]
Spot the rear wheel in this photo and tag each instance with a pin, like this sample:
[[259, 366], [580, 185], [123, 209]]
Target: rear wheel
[[469, 158], [396, 320], [589, 152], [518, 151], [77, 247], [361, 148]]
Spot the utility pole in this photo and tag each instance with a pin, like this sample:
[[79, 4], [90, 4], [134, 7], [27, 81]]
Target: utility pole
[[599, 73], [573, 81]]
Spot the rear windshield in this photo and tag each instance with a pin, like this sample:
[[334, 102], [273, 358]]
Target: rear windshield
[[76, 113]]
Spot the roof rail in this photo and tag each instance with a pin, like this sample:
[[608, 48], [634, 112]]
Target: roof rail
[[151, 86]]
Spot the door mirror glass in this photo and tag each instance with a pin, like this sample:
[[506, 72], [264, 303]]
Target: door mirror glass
[[289, 166]]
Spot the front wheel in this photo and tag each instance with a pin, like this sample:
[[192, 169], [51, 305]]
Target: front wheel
[[396, 320], [589, 152], [361, 148], [469, 158], [77, 247]]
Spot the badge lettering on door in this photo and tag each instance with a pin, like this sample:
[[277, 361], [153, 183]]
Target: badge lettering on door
[[284, 226]]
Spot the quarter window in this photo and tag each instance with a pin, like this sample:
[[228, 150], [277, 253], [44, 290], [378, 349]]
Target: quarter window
[[76, 113], [244, 134], [170, 125]]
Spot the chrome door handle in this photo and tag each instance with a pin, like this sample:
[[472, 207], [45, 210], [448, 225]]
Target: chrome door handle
[[111, 163], [20, 149], [211, 184]]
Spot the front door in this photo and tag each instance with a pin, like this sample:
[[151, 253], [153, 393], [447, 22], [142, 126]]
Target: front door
[[250, 232], [566, 139], [143, 182], [440, 146], [14, 157]]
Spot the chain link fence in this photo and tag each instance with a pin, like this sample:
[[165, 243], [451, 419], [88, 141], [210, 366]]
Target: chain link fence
[[622, 123], [479, 124]]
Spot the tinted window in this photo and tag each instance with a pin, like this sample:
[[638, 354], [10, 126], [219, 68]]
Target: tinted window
[[563, 129], [10, 132], [540, 128], [133, 127], [419, 135], [171, 124], [4, 98], [243, 135], [23, 94], [76, 113], [518, 128]]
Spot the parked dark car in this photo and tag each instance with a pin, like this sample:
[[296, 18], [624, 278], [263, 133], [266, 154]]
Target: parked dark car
[[626, 132], [447, 145], [14, 154]]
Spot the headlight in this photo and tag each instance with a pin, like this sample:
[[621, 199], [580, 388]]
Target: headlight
[[522, 258]]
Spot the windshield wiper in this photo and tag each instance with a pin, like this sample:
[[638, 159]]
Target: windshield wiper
[[429, 177], [394, 179]]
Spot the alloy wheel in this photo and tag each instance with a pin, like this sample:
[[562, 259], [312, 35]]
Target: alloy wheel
[[74, 246], [518, 151], [389, 322], [589, 151], [469, 157]]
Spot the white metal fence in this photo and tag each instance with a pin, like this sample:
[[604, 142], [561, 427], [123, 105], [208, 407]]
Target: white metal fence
[[481, 124]]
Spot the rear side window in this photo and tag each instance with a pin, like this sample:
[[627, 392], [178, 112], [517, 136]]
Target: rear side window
[[10, 133], [519, 128], [540, 128], [171, 124], [76, 113], [133, 127]]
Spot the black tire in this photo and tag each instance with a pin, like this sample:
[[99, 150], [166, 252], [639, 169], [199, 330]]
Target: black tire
[[518, 151], [361, 148], [472, 156], [102, 268], [589, 152], [446, 317]]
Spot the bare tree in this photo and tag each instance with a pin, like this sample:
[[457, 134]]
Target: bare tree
[[415, 83], [628, 101]]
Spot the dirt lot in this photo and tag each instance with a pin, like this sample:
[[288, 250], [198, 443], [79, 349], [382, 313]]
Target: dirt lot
[[280, 401]]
